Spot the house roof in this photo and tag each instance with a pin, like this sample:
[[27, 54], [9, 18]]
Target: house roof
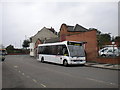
[[76, 28], [57, 39], [44, 28], [70, 28]]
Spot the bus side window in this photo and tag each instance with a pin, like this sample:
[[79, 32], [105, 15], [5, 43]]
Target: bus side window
[[47, 50], [59, 50], [39, 48], [64, 50], [54, 50]]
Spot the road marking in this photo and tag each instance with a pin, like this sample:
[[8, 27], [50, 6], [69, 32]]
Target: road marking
[[113, 84], [19, 71], [43, 85], [95, 80], [34, 80], [23, 74], [16, 66], [102, 81]]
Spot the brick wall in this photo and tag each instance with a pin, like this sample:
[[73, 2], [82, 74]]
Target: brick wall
[[36, 45], [91, 45], [64, 32], [115, 60]]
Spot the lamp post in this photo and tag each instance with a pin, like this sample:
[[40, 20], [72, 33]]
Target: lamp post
[[113, 43]]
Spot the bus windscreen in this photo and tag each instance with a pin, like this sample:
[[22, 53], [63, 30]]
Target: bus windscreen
[[74, 43], [76, 51]]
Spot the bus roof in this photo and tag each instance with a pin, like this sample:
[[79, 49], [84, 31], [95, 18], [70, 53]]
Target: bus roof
[[60, 43]]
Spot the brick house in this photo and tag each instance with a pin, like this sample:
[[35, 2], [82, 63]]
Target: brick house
[[79, 33], [44, 34]]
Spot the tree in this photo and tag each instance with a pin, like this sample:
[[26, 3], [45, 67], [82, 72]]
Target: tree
[[117, 39], [10, 49], [25, 43], [103, 39]]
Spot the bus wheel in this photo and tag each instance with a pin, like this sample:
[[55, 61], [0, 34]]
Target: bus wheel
[[65, 63], [3, 59], [42, 59]]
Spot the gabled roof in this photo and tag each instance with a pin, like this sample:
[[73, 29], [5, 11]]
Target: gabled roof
[[52, 40], [44, 28], [70, 28], [76, 28]]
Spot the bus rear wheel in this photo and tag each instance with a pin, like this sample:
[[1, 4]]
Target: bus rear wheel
[[65, 63], [42, 59]]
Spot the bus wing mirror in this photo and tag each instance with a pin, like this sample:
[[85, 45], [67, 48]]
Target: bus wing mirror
[[84, 42]]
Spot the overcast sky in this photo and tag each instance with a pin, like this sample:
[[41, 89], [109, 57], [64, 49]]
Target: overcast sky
[[20, 18]]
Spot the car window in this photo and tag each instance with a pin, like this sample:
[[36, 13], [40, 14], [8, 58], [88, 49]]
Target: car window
[[110, 50], [119, 50], [104, 50], [115, 50]]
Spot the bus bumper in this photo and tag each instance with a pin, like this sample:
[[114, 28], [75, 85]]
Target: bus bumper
[[77, 62]]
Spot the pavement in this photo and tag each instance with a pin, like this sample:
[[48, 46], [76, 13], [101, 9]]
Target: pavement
[[103, 66]]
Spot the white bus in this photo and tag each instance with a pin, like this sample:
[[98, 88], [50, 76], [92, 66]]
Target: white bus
[[66, 53]]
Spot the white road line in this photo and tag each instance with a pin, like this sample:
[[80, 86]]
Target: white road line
[[113, 84], [43, 85], [101, 81], [34, 80], [23, 74], [95, 80], [29, 77], [19, 71], [16, 66]]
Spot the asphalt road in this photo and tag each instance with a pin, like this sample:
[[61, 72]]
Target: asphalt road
[[26, 72]]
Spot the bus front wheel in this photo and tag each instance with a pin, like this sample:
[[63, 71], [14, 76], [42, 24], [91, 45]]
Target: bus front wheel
[[65, 63]]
